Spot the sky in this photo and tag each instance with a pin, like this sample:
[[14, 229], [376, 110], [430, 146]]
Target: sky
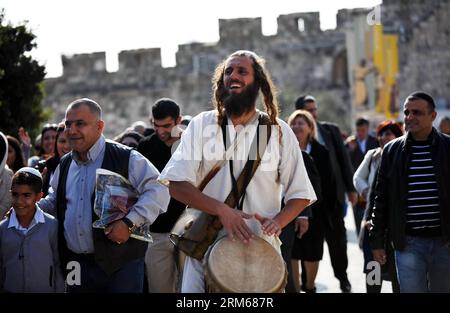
[[86, 26]]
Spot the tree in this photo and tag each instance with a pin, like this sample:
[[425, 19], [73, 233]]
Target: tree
[[21, 81]]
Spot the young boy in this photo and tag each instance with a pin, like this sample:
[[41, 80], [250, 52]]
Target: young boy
[[29, 259]]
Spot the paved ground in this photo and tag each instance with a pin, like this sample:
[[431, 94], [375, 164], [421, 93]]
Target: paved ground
[[327, 283]]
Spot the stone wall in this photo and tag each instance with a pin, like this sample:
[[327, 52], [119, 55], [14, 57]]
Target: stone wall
[[424, 50], [300, 61]]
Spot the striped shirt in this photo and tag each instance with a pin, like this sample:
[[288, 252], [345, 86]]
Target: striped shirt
[[423, 211]]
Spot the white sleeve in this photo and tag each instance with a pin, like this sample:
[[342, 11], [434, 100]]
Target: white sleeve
[[184, 165], [153, 197], [361, 176]]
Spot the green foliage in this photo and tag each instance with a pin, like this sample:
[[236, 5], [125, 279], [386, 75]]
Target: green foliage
[[21, 81]]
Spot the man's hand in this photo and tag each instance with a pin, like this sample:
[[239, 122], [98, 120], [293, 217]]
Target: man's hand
[[301, 226], [118, 232], [269, 226], [233, 222], [379, 255]]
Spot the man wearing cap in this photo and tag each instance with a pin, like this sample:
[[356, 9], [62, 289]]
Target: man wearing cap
[[412, 201], [329, 136], [110, 260]]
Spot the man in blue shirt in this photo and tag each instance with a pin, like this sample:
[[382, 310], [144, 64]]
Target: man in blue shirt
[[110, 260]]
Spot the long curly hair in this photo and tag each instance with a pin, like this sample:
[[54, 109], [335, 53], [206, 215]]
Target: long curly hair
[[262, 80]]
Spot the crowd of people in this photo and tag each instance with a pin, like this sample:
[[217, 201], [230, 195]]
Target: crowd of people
[[244, 174]]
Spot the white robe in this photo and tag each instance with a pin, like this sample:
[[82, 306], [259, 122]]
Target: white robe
[[281, 172]]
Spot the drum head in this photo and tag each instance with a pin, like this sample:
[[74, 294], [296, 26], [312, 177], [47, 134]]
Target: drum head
[[238, 267]]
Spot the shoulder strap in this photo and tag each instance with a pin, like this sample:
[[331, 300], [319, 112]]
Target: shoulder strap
[[206, 227], [257, 150]]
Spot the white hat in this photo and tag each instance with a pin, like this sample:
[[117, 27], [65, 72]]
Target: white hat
[[30, 170]]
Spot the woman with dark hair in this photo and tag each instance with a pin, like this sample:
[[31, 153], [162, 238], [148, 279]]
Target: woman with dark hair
[[15, 159], [364, 180], [129, 138], [47, 149], [61, 148]]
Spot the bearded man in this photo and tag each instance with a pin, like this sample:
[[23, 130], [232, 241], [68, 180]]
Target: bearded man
[[237, 82]]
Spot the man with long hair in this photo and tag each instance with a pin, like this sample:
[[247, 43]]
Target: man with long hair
[[234, 124]]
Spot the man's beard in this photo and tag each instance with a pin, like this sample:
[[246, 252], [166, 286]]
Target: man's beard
[[239, 104]]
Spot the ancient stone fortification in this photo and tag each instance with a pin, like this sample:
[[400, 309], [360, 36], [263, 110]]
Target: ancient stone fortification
[[301, 61]]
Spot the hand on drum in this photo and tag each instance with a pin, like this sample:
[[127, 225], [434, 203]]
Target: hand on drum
[[233, 222], [269, 226]]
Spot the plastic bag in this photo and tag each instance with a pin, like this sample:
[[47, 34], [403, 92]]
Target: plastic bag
[[114, 196]]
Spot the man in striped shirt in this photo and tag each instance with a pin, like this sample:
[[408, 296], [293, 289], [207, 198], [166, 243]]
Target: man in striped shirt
[[412, 204]]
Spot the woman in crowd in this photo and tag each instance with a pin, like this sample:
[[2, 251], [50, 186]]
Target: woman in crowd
[[61, 148], [364, 180], [129, 138], [15, 159], [47, 148]]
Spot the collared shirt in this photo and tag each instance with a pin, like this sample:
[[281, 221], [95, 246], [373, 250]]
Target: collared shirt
[[153, 197], [281, 170], [37, 218], [362, 144], [308, 148]]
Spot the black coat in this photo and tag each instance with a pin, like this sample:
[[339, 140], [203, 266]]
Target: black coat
[[391, 189], [357, 156], [341, 167]]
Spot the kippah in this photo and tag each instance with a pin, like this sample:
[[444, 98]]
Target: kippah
[[30, 170]]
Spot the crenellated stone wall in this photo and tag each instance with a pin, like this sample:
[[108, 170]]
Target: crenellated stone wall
[[300, 61]]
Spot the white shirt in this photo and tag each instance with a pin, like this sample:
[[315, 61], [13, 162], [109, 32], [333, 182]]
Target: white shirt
[[362, 145], [281, 169], [37, 218]]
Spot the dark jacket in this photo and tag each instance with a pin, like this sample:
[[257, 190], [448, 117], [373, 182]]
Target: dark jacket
[[327, 197], [389, 213], [357, 156], [340, 160], [158, 153]]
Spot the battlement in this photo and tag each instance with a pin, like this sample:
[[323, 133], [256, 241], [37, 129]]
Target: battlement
[[299, 23], [84, 64], [234, 30], [345, 16], [141, 59], [298, 47]]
